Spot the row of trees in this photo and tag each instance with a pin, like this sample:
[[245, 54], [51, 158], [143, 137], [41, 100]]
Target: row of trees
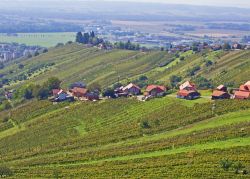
[[88, 38], [38, 91], [91, 38]]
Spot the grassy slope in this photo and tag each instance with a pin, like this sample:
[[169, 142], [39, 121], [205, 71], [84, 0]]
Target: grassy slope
[[108, 134], [77, 63], [184, 140]]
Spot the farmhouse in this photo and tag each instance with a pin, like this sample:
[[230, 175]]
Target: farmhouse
[[155, 90], [79, 92], [189, 95], [220, 95], [188, 91], [189, 86], [243, 92], [131, 89], [60, 95]]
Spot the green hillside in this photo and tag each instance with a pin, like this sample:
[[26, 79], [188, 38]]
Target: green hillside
[[72, 63], [126, 138], [162, 138]]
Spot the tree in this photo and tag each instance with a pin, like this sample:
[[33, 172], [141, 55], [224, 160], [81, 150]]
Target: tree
[[182, 58], [36, 53], [20, 66], [92, 34], [28, 94], [109, 93], [226, 46], [79, 37], [53, 83], [7, 105], [94, 87], [174, 80], [1, 65], [5, 172], [226, 164], [86, 38], [42, 93]]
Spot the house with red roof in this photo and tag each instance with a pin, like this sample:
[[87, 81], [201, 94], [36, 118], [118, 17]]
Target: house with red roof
[[243, 92], [188, 91], [188, 95], [155, 90], [79, 92], [220, 93], [131, 89]]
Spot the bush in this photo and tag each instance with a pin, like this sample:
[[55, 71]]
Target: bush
[[145, 125], [226, 164], [5, 172]]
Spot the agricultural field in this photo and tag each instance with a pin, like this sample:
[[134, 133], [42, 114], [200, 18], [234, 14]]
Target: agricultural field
[[161, 138], [126, 138], [75, 62], [40, 39]]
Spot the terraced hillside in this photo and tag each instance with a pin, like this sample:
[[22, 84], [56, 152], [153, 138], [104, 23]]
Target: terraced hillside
[[162, 138], [74, 62]]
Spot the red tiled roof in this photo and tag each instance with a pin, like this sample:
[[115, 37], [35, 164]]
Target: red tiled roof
[[185, 92], [245, 88], [242, 95], [152, 87], [80, 90], [131, 85], [218, 93]]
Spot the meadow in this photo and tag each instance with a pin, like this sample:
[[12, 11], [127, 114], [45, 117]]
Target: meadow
[[40, 39]]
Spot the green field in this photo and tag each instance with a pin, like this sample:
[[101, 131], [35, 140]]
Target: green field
[[126, 138], [107, 139], [41, 39]]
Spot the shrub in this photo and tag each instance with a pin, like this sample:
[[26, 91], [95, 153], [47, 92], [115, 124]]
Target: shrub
[[5, 172], [226, 164], [145, 125]]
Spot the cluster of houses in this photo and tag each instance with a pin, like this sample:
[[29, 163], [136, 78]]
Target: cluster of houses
[[11, 51], [187, 90], [202, 46], [76, 91]]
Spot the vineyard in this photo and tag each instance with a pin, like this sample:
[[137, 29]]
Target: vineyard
[[164, 138], [74, 62], [126, 138]]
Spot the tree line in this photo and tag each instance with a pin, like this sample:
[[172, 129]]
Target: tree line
[[91, 38]]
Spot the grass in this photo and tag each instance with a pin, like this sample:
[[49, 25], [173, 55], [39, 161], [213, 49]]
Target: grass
[[40, 39]]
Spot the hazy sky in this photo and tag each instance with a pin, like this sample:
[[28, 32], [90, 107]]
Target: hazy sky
[[232, 3]]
